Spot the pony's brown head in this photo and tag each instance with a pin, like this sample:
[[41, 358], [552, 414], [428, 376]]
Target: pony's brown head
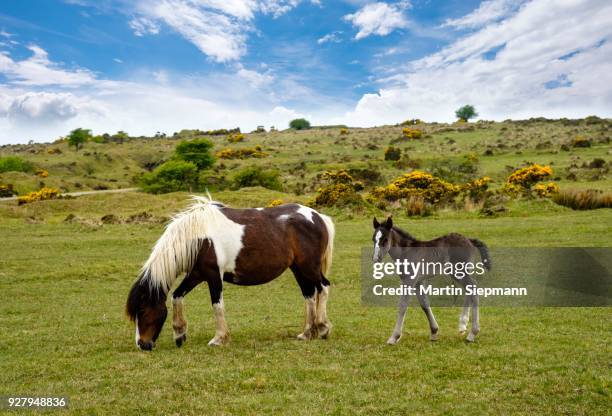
[[381, 238], [146, 306]]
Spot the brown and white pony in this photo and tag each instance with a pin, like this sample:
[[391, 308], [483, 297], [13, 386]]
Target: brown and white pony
[[213, 243]]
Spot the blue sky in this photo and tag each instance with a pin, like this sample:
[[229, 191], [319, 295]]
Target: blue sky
[[163, 65]]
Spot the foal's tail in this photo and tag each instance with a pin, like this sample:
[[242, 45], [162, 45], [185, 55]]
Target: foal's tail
[[326, 259], [484, 252]]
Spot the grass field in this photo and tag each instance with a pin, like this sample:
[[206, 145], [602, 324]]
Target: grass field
[[63, 329]]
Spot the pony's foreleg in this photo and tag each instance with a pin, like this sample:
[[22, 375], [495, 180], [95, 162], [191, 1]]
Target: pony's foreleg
[[433, 325], [215, 286], [179, 324], [323, 324]]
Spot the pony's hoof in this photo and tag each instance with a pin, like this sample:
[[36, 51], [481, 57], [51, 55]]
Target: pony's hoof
[[433, 337], [217, 342], [180, 340], [393, 340], [307, 336], [324, 330], [471, 337]]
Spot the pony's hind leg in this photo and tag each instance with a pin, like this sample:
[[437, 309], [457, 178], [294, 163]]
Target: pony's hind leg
[[324, 326], [308, 288], [179, 324]]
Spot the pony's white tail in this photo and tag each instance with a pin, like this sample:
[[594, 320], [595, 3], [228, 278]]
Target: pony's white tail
[[177, 249], [326, 260]]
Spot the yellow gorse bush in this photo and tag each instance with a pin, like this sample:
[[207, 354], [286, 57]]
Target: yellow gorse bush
[[477, 187], [40, 195], [341, 189], [545, 190], [527, 176], [41, 172], [244, 153], [417, 183], [274, 203], [412, 134], [581, 141], [6, 190], [236, 137], [344, 131]]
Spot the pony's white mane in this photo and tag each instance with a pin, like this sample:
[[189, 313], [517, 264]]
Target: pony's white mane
[[177, 249]]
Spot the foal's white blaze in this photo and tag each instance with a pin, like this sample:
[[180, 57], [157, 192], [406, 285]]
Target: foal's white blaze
[[377, 238]]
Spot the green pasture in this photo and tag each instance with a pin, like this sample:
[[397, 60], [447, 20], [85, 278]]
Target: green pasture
[[63, 329]]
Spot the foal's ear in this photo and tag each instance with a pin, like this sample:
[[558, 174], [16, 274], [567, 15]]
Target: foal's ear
[[389, 223], [375, 223]]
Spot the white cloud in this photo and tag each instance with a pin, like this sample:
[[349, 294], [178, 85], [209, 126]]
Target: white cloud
[[159, 101], [504, 69], [254, 78], [143, 26], [488, 11], [333, 37], [38, 70], [378, 19], [43, 107], [218, 28]]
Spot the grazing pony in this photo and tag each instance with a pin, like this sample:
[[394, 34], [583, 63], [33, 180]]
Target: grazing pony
[[452, 248], [213, 243]]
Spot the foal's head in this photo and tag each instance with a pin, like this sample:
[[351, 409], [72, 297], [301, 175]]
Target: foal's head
[[381, 239], [146, 306]]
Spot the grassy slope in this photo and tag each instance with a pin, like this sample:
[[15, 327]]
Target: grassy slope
[[63, 330], [513, 143]]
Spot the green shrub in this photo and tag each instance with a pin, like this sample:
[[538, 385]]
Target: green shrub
[[393, 153], [256, 176], [197, 151], [15, 164], [172, 176], [78, 137], [466, 112], [299, 124]]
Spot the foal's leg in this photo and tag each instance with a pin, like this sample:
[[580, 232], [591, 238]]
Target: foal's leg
[[424, 301], [179, 324], [308, 288], [215, 286], [475, 316], [401, 312], [324, 326], [465, 315]]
